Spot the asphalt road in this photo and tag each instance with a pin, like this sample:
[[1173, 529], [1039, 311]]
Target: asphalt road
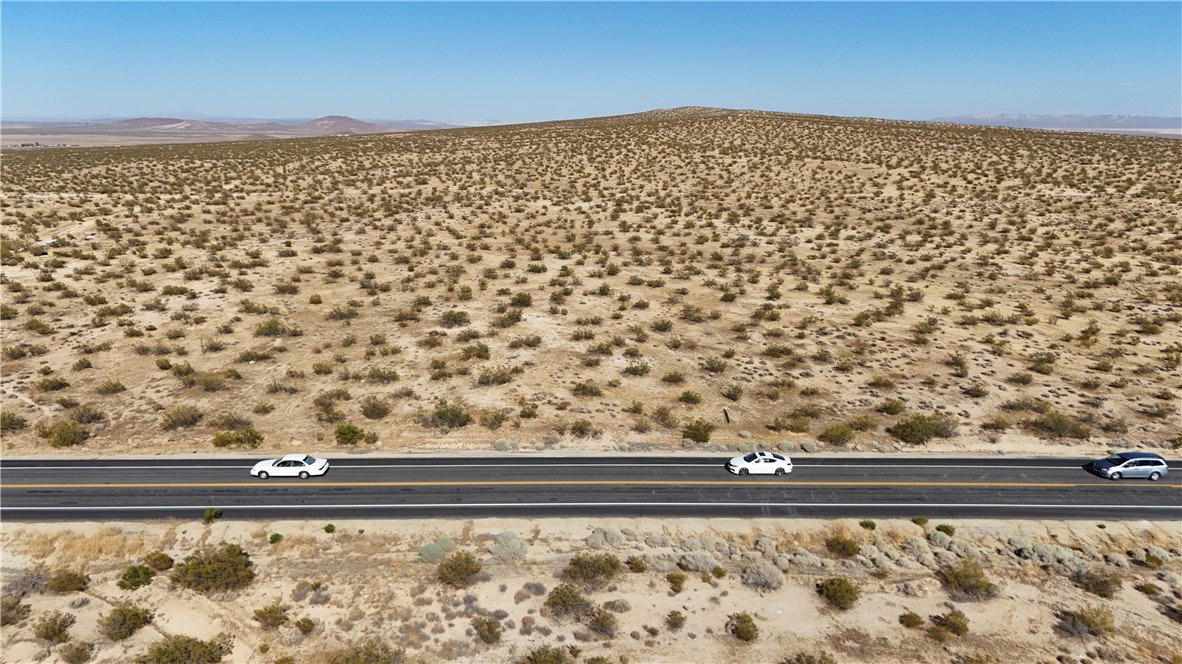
[[106, 490]]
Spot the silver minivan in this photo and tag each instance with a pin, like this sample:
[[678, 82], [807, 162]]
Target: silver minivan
[[1132, 464]]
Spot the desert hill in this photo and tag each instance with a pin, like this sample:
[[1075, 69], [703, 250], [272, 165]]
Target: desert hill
[[687, 277]]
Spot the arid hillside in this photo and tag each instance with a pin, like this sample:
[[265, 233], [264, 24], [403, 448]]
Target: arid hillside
[[615, 283]]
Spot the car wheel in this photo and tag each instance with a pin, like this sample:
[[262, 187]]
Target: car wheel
[[303, 474], [263, 476], [743, 471], [1154, 476], [780, 471], [1114, 476]]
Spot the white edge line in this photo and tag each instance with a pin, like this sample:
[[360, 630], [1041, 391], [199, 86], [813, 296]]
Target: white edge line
[[662, 504]]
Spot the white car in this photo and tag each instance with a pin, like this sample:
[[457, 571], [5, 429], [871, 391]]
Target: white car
[[302, 466], [760, 463]]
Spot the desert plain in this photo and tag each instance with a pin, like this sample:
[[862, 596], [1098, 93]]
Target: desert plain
[[681, 280]]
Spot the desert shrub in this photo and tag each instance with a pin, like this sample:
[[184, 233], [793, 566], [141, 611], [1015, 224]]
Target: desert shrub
[[919, 429], [841, 545], [271, 616], [449, 415], [67, 581], [1091, 621], [839, 592], [65, 433], [837, 434], [566, 600], [1099, 582], [432, 552], [54, 627], [1056, 425], [136, 576], [374, 408], [124, 620], [635, 564], [52, 384], [919, 520], [954, 622], [211, 570], [967, 581], [868, 524], [348, 434], [911, 620], [180, 417], [455, 318], [809, 658], [891, 407], [488, 628], [75, 652], [459, 570], [592, 570], [674, 620], [245, 437], [10, 421], [763, 575], [946, 528], [697, 561], [547, 655], [110, 387], [507, 547], [180, 649], [211, 514], [676, 581], [698, 431], [305, 625], [602, 621], [742, 626], [12, 610]]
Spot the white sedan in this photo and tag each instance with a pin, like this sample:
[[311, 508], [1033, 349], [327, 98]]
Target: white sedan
[[302, 466], [760, 463]]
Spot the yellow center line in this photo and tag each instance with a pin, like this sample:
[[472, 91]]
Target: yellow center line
[[732, 483]]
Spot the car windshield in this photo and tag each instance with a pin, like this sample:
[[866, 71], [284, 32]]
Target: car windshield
[[751, 457], [1115, 458], [310, 460]]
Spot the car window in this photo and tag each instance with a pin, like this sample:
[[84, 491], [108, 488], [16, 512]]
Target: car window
[[777, 457], [751, 457], [310, 460], [1115, 458]]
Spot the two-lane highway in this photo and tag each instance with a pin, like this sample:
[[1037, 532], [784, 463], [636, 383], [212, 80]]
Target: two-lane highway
[[362, 487]]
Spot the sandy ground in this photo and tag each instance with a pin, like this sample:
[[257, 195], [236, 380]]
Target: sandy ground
[[377, 585]]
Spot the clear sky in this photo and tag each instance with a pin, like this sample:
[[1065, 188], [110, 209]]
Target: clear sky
[[524, 62]]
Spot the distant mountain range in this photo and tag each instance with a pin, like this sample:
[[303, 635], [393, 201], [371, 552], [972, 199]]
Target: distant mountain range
[[1122, 123], [329, 125]]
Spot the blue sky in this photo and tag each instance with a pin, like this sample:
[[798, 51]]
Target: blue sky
[[524, 62]]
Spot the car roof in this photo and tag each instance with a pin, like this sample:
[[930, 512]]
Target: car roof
[[293, 457], [1140, 455]]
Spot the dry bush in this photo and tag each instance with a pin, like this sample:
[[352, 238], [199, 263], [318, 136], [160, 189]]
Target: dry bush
[[459, 569]]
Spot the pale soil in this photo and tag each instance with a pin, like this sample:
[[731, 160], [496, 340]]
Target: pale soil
[[379, 586]]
